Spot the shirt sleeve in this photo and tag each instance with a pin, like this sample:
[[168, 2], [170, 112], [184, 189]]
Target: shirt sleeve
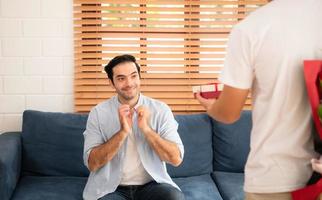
[[169, 129], [238, 66], [92, 135]]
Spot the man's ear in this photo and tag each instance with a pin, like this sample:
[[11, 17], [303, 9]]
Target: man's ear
[[111, 83]]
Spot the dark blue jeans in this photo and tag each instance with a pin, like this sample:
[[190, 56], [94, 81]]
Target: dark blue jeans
[[149, 191]]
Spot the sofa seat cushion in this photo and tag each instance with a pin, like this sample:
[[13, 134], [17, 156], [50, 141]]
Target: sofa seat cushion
[[230, 185], [198, 187], [49, 188], [52, 188]]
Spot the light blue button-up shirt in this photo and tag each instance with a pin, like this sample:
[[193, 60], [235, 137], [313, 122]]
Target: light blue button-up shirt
[[103, 122]]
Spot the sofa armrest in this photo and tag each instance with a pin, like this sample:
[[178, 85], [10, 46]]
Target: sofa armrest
[[10, 163]]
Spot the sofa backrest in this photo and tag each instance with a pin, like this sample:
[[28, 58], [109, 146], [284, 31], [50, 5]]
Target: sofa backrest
[[231, 143], [196, 134], [52, 143]]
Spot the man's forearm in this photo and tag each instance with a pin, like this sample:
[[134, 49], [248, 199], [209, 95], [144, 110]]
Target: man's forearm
[[103, 153], [166, 150]]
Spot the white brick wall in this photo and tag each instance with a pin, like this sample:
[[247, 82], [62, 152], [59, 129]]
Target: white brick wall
[[36, 58], [1, 85], [20, 9], [58, 85], [12, 104], [10, 28], [42, 28], [67, 62], [57, 9], [22, 85], [1, 122], [44, 66], [21, 47], [45, 103], [11, 66], [57, 47], [10, 122]]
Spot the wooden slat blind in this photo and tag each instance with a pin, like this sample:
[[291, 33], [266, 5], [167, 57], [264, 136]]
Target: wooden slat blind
[[178, 43]]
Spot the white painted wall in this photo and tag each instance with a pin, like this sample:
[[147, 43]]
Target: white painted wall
[[36, 58]]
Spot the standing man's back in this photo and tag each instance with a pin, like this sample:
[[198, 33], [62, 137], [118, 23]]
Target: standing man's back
[[265, 55], [279, 36]]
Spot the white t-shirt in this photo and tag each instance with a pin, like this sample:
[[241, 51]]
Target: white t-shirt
[[133, 172], [265, 54]]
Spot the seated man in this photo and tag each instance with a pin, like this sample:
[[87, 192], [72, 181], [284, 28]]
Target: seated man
[[128, 139]]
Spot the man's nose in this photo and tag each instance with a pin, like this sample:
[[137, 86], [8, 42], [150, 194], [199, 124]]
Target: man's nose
[[128, 81]]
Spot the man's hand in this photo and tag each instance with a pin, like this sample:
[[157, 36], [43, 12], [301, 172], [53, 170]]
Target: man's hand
[[317, 165], [143, 118], [125, 115], [228, 106], [104, 153], [206, 103], [166, 150]]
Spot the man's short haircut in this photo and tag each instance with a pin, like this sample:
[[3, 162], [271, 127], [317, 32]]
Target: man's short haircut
[[118, 60]]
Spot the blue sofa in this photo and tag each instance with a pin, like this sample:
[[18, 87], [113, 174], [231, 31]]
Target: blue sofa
[[44, 161]]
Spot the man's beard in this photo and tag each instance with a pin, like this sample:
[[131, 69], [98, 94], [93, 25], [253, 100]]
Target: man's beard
[[128, 97]]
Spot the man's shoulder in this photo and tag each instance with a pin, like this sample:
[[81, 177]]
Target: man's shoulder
[[254, 26], [104, 105]]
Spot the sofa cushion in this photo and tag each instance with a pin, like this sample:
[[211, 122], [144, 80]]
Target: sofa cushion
[[50, 188], [230, 185], [198, 187], [231, 143], [196, 135], [52, 143]]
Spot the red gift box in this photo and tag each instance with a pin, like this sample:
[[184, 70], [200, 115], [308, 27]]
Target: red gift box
[[209, 91]]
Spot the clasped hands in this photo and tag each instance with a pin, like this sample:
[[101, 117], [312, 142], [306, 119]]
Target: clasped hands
[[126, 116]]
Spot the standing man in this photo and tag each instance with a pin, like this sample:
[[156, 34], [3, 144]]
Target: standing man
[[265, 54], [128, 140]]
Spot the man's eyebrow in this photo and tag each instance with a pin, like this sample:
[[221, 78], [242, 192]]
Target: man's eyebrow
[[120, 75]]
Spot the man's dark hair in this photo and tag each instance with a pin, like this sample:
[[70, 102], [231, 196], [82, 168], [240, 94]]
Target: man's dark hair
[[117, 60]]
